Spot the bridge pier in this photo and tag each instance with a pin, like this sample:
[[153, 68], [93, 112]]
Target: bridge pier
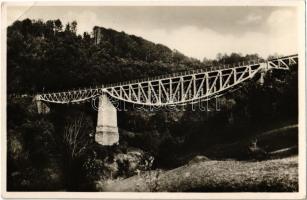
[[42, 108], [261, 79], [106, 130], [263, 71]]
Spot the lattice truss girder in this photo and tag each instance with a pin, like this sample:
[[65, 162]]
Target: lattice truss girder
[[282, 63], [175, 89], [183, 89], [74, 96]]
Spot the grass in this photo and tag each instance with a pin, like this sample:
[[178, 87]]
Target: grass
[[279, 175]]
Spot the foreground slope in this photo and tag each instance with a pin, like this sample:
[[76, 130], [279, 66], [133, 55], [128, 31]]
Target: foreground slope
[[280, 175]]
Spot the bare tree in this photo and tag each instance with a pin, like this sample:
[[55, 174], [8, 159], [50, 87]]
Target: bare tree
[[75, 138]]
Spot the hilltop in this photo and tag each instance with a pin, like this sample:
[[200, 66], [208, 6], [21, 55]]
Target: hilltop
[[47, 56]]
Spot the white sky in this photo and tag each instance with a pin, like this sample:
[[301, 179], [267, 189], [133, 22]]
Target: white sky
[[195, 31]]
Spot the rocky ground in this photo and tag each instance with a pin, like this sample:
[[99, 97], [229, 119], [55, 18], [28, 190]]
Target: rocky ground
[[277, 175], [270, 166]]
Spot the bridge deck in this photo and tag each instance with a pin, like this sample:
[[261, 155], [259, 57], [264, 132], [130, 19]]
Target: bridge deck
[[176, 88]]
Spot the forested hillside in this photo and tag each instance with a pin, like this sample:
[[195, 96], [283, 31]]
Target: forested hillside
[[50, 56]]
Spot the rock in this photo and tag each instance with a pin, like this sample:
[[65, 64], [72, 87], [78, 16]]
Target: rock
[[198, 158], [111, 169], [128, 164]]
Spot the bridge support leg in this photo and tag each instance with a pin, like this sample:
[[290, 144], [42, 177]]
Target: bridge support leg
[[42, 108], [261, 79], [106, 130]]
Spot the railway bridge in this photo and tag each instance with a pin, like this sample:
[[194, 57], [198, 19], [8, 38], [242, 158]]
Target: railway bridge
[[172, 89]]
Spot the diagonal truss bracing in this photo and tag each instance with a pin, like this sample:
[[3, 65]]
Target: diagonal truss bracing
[[180, 88], [184, 88]]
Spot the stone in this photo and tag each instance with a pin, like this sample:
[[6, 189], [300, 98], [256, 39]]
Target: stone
[[107, 136], [42, 108], [199, 158], [106, 130]]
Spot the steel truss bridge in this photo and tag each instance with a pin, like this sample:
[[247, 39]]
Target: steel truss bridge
[[175, 89]]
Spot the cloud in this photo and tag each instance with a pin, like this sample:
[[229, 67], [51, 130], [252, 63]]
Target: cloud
[[250, 19], [15, 13], [283, 23], [283, 28], [200, 43], [277, 35], [282, 17]]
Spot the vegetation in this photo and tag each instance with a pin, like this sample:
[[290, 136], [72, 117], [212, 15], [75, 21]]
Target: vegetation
[[279, 175], [45, 56]]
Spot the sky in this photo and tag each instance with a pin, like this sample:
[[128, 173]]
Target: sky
[[196, 31]]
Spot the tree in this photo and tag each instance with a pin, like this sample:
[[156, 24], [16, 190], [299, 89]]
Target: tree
[[74, 27], [58, 25], [206, 61], [75, 138], [67, 27], [50, 28]]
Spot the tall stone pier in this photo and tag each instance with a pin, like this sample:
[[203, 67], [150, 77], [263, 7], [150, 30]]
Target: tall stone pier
[[106, 130], [42, 107], [262, 73]]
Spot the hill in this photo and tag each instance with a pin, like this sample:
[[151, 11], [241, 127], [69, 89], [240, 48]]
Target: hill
[[46, 56]]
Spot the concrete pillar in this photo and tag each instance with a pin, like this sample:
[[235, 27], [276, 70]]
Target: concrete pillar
[[264, 69], [39, 106], [42, 108], [261, 79], [106, 130]]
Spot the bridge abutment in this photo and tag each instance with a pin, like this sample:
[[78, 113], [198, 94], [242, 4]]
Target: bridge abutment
[[106, 130]]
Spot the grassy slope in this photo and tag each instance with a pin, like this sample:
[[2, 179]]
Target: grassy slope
[[272, 140], [215, 176]]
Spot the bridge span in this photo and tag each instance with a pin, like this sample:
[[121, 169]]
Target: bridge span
[[173, 89]]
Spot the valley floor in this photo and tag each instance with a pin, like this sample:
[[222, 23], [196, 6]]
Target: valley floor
[[276, 175]]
